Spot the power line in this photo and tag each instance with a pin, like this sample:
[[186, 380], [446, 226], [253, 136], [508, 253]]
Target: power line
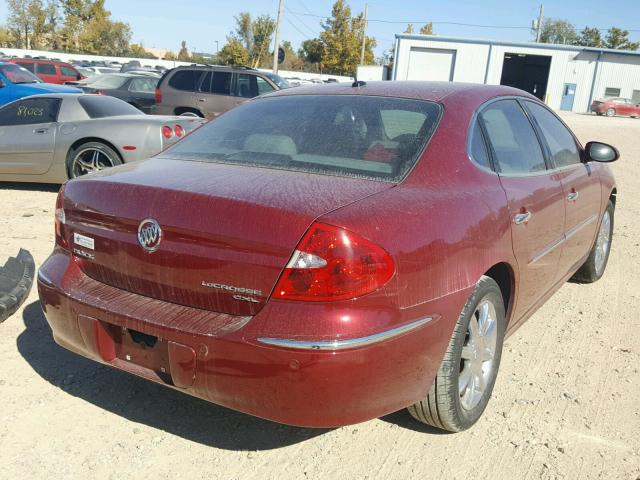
[[404, 22]]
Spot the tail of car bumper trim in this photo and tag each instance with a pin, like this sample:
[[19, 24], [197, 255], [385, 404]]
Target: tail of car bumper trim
[[348, 343]]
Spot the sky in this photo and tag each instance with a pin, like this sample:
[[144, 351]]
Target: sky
[[202, 23]]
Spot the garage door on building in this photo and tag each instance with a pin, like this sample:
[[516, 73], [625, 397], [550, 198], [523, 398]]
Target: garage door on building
[[431, 64]]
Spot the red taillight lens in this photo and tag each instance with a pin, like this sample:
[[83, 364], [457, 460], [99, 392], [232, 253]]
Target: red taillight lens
[[179, 131], [167, 132], [60, 221], [332, 263], [158, 96]]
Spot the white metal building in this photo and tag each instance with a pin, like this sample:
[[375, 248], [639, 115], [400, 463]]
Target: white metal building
[[566, 77]]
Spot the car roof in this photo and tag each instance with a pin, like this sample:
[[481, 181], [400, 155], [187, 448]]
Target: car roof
[[418, 90]]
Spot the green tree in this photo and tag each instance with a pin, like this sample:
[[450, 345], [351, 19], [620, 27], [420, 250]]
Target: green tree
[[26, 22], [590, 37], [409, 28], [311, 51], [619, 40], [137, 50], [5, 37], [255, 37], [291, 60], [233, 53], [183, 54], [342, 40], [558, 31]]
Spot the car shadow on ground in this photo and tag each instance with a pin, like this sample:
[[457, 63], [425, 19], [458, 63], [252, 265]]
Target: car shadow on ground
[[145, 402], [40, 187]]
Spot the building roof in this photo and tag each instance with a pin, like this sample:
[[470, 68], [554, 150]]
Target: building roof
[[548, 46]]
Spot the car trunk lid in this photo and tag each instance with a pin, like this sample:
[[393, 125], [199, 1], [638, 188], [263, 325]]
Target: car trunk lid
[[227, 230]]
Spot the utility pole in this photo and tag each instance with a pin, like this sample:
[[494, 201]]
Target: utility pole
[[539, 24], [364, 34], [276, 45]]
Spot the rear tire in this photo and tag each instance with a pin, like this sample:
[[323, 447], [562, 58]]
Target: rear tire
[[465, 380], [189, 113], [596, 263], [91, 157]]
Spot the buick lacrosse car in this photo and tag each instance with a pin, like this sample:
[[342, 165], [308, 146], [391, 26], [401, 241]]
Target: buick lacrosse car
[[326, 255]]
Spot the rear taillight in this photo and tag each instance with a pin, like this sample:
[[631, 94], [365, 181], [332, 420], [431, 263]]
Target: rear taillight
[[158, 95], [167, 132], [61, 221], [332, 263], [179, 131]]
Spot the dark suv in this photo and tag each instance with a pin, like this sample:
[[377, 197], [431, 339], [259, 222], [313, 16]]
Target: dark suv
[[208, 91]]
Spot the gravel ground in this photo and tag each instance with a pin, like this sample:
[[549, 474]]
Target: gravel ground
[[566, 403]]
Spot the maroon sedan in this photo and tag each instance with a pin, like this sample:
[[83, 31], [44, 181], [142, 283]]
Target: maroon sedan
[[325, 255], [616, 106]]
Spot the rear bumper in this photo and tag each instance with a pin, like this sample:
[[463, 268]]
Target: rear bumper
[[600, 108], [223, 359]]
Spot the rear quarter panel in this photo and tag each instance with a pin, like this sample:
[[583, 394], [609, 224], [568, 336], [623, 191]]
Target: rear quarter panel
[[445, 225]]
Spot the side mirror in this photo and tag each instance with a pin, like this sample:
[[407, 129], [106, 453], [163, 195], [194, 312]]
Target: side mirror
[[2, 84], [601, 152]]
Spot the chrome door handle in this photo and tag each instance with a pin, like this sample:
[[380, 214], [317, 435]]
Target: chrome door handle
[[572, 196], [41, 130], [202, 99], [520, 218]]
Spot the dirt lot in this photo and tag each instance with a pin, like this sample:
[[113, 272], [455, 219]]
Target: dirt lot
[[566, 403]]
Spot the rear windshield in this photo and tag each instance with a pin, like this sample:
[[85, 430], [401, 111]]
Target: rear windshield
[[360, 136], [99, 106], [17, 74], [105, 82]]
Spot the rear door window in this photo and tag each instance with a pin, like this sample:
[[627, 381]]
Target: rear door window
[[205, 83], [515, 146], [283, 133], [46, 69], [221, 83], [30, 111], [562, 146], [185, 80]]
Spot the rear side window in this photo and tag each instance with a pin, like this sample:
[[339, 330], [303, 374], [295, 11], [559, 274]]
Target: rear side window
[[221, 83], [46, 69], [30, 111], [562, 146], [205, 83], [479, 152], [512, 138], [99, 106], [185, 80], [282, 133]]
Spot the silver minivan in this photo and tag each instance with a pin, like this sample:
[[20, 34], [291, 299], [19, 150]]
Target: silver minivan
[[208, 91]]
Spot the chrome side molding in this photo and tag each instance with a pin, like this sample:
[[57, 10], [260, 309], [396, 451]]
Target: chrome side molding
[[347, 343]]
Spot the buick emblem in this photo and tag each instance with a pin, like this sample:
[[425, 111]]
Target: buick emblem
[[149, 235]]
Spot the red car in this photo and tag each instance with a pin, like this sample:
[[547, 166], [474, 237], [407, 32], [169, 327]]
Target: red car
[[48, 70], [325, 255], [616, 106]]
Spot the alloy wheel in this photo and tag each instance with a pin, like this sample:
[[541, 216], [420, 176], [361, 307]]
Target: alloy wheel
[[603, 241], [90, 160], [478, 354]]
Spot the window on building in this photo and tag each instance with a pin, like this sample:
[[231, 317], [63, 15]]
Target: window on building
[[635, 97], [611, 92]]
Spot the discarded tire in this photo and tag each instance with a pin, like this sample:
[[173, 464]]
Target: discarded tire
[[16, 278]]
